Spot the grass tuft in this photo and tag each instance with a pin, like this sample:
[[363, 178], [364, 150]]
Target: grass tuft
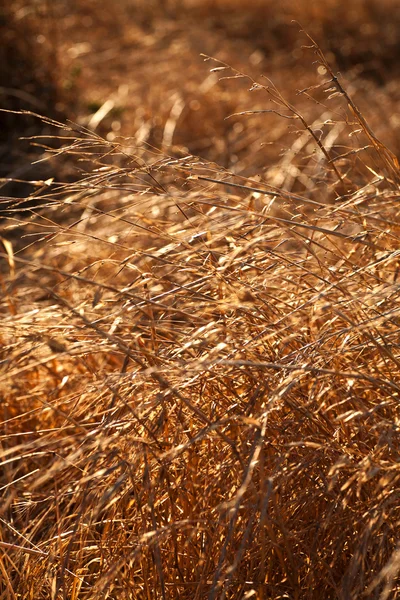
[[199, 361]]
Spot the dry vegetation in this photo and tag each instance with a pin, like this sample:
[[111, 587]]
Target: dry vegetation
[[199, 369]]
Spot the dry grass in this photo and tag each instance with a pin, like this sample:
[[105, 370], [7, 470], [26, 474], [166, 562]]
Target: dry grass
[[200, 361]]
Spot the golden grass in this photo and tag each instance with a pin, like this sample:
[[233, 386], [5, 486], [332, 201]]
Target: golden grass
[[200, 367]]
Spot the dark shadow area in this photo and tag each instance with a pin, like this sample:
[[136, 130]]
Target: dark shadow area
[[29, 82]]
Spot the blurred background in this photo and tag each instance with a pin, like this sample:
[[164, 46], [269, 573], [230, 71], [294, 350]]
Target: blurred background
[[134, 68]]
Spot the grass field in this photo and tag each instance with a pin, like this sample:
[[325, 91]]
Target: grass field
[[199, 335]]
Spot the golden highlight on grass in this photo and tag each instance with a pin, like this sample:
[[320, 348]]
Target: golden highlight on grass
[[200, 367]]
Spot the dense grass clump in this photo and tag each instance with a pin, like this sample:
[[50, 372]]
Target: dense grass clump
[[199, 361]]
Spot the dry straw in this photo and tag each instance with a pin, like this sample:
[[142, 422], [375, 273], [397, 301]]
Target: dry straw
[[200, 370]]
